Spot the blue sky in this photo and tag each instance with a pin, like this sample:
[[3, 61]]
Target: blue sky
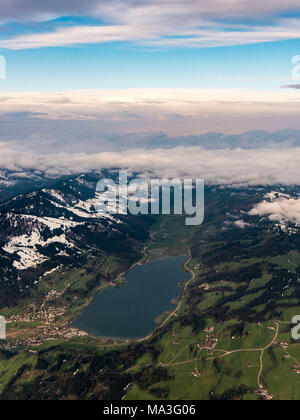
[[120, 66], [148, 44]]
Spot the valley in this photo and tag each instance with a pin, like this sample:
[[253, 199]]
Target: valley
[[229, 338]]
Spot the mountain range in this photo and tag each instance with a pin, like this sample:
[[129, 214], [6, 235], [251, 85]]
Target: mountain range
[[58, 226]]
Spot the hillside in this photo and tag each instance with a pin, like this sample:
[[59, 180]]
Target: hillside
[[229, 339], [47, 229]]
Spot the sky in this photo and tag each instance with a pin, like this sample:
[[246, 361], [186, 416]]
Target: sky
[[148, 43], [81, 74], [224, 53]]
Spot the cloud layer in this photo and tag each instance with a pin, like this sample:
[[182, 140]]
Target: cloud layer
[[173, 111], [72, 132], [163, 23], [36, 10], [220, 167], [128, 10]]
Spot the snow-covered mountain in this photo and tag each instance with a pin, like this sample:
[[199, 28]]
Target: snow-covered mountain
[[58, 226], [23, 181]]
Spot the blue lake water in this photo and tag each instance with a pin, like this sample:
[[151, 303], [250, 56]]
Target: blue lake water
[[130, 311]]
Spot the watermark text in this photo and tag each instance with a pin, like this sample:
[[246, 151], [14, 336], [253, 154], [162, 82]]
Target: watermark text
[[141, 197], [2, 328], [296, 329], [2, 68]]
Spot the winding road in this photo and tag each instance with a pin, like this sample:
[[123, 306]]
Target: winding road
[[180, 303]]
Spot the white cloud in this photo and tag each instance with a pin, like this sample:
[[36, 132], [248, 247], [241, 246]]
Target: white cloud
[[154, 36], [77, 35], [222, 167], [281, 210], [164, 23], [241, 224]]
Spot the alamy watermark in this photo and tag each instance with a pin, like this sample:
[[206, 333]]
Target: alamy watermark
[[141, 197], [2, 328], [296, 329], [296, 68], [2, 68]]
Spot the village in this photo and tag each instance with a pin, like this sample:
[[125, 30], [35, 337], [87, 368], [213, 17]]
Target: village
[[46, 314]]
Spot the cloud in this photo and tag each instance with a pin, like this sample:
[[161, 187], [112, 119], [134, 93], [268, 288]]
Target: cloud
[[281, 210], [77, 35], [241, 224], [173, 111], [155, 36], [291, 87], [79, 131], [130, 10], [217, 167], [36, 10], [164, 23]]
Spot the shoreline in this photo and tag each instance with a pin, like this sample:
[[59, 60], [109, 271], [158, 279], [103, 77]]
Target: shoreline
[[141, 262]]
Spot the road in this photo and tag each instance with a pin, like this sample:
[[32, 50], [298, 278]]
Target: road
[[261, 350], [260, 385], [180, 303]]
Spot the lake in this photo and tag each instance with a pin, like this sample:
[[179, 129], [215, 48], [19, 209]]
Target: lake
[[130, 311]]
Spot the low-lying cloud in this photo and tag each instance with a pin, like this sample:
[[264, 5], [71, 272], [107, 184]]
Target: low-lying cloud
[[154, 130], [217, 167], [281, 210]]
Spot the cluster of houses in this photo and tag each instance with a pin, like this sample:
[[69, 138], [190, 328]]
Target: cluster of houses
[[46, 313], [50, 332], [210, 342], [38, 315], [285, 345], [264, 394]]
